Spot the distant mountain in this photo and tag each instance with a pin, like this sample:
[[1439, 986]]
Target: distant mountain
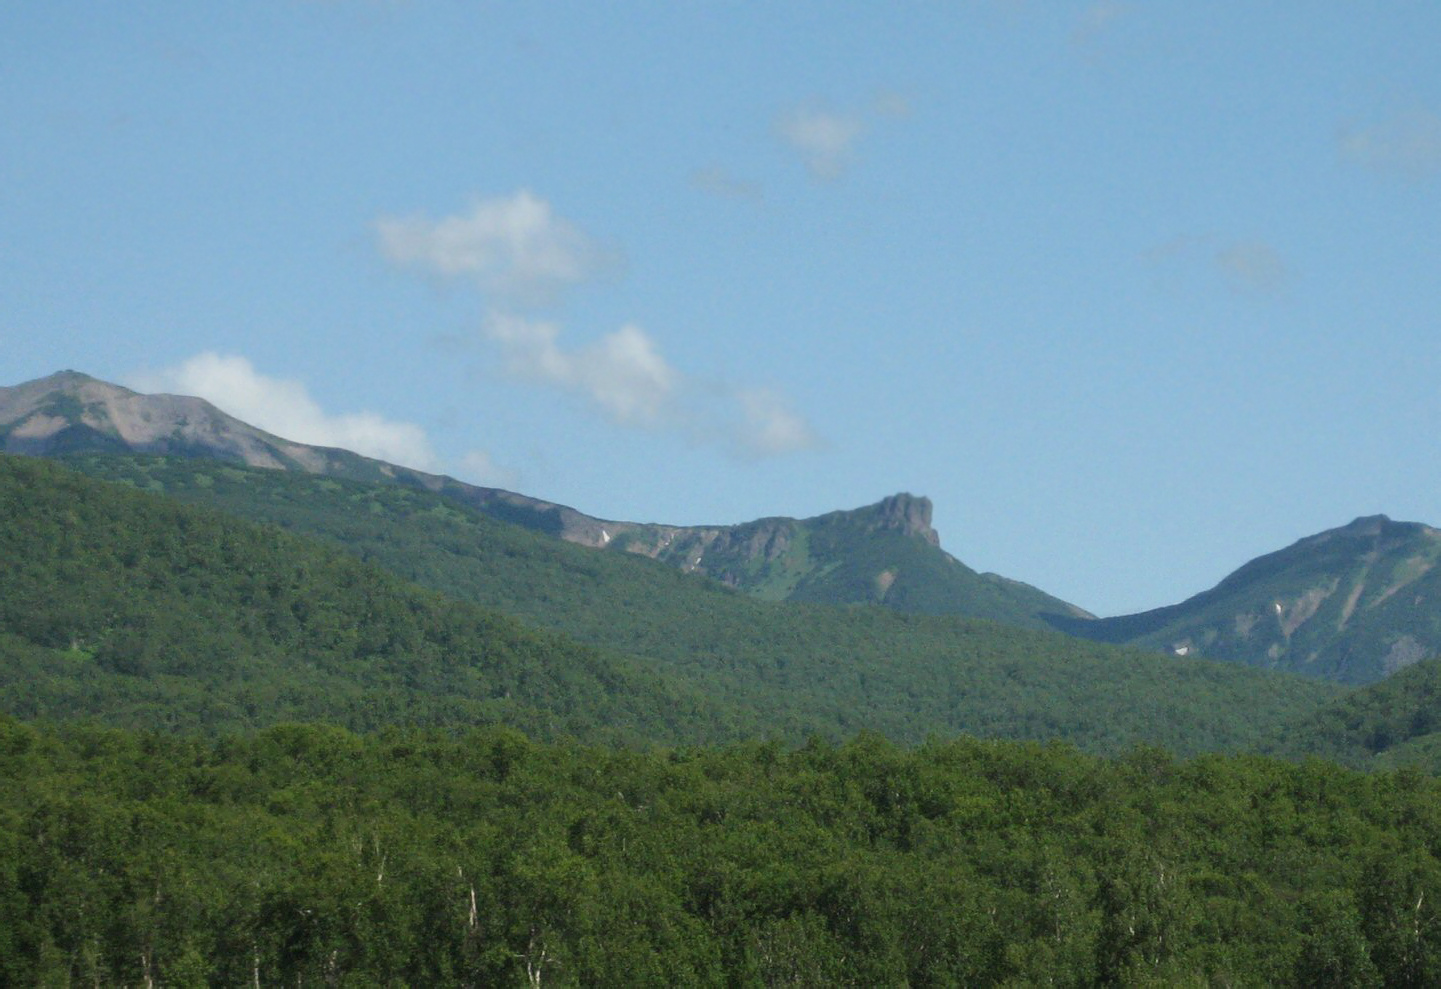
[[1353, 604], [886, 553], [796, 668], [70, 412]]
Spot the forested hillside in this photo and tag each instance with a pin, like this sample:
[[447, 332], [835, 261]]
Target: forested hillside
[[310, 856], [205, 842], [884, 553], [832, 670], [145, 612], [1396, 722]]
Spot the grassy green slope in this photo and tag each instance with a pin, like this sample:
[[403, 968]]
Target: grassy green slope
[[815, 668], [145, 612]]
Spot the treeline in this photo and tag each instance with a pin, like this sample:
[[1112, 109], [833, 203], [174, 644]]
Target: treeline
[[308, 855], [790, 668]]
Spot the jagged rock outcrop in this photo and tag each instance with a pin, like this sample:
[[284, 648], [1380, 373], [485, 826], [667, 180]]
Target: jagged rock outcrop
[[909, 514]]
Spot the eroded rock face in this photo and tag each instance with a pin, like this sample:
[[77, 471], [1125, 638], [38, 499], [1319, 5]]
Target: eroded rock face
[[1404, 652], [910, 514]]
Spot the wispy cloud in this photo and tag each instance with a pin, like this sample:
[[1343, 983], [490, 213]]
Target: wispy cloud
[[520, 253], [624, 376], [716, 181], [285, 407], [517, 249], [769, 426], [1251, 267], [824, 140], [1408, 144]]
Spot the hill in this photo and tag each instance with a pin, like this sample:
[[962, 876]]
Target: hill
[[1390, 724], [140, 611], [826, 669], [1353, 604], [885, 553]]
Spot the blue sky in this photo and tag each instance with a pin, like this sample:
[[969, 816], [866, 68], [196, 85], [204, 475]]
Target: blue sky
[[1133, 291]]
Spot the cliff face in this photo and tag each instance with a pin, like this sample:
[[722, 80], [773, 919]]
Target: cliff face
[[714, 550], [907, 514]]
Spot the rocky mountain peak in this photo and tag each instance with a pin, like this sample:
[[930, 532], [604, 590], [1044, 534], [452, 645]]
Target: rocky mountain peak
[[63, 379], [1379, 530], [909, 513]]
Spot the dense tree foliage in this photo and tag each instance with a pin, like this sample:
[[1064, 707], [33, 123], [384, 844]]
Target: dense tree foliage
[[146, 612], [427, 851], [307, 855], [1394, 723], [798, 668]]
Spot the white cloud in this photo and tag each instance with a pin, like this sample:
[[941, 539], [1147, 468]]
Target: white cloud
[[824, 140], [521, 253], [625, 376], [770, 427], [1408, 144], [515, 248], [622, 373], [284, 407]]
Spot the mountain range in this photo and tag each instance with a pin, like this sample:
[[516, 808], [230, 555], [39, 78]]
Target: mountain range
[[161, 584], [1353, 604], [884, 553]]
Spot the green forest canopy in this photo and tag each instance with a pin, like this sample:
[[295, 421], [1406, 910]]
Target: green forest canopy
[[204, 844], [797, 668], [308, 855]]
